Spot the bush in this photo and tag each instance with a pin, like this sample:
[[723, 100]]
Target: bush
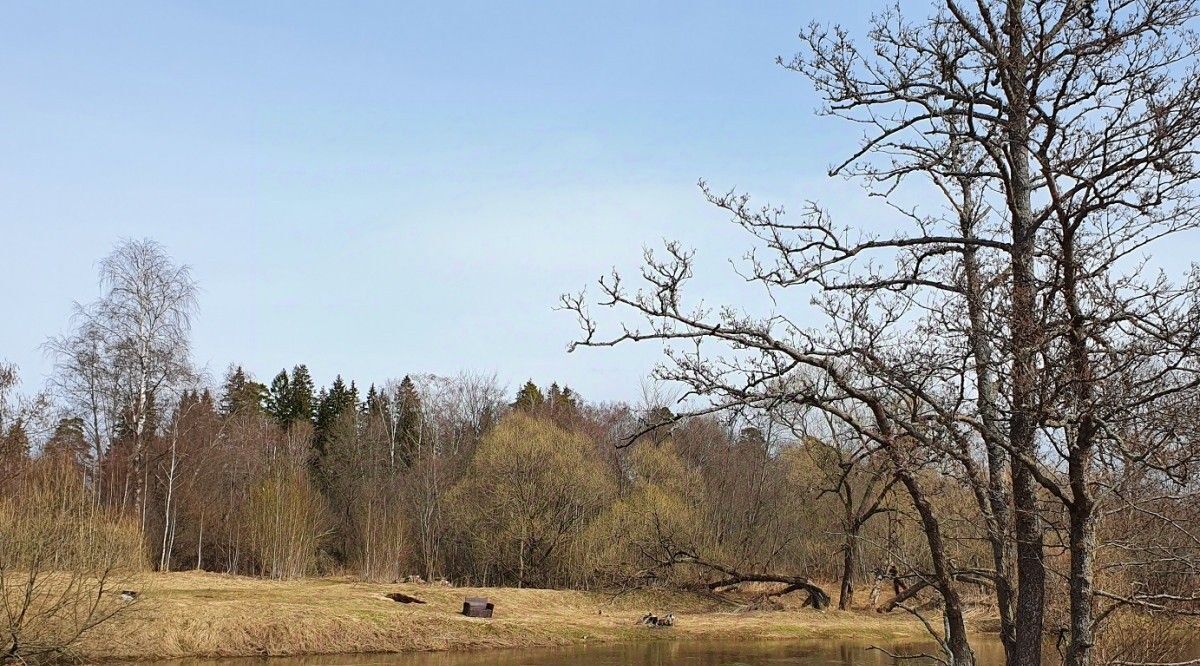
[[285, 518], [528, 491], [633, 539], [63, 562]]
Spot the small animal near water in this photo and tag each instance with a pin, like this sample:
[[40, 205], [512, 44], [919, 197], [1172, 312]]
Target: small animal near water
[[652, 620]]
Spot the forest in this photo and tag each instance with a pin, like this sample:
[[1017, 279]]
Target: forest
[[984, 413], [441, 477], [130, 459]]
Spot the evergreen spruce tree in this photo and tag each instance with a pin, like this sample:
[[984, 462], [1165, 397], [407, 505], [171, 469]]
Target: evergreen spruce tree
[[241, 394], [278, 399], [352, 401], [378, 423], [371, 404], [205, 399], [331, 405], [570, 399], [290, 399], [554, 395], [408, 420], [303, 406], [69, 442], [529, 397], [563, 404], [14, 447]]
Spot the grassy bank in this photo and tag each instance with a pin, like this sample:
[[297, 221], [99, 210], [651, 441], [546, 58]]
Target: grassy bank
[[200, 614]]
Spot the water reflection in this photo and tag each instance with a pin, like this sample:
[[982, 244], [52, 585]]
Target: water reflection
[[690, 653]]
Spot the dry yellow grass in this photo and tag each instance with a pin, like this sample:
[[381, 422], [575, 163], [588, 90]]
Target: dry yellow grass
[[201, 614]]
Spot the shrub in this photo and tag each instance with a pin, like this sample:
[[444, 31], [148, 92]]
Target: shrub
[[64, 560]]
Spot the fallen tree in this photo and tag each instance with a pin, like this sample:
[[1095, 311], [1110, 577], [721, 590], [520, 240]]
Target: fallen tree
[[818, 598], [976, 577]]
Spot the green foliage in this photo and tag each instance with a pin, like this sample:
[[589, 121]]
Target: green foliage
[[335, 418], [529, 397], [241, 394], [69, 442], [408, 420], [278, 401], [302, 387], [527, 493], [664, 510], [290, 399]]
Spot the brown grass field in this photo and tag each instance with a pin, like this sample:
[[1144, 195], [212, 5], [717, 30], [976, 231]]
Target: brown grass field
[[211, 615]]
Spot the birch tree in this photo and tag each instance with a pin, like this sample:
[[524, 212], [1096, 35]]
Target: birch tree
[[130, 347]]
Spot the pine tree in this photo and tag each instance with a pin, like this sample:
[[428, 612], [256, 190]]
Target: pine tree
[[529, 397], [279, 396], [69, 442], [241, 394], [408, 420], [14, 447], [303, 407]]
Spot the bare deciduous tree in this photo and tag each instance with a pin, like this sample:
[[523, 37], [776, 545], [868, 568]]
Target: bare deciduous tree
[[130, 347], [63, 563], [1061, 136]]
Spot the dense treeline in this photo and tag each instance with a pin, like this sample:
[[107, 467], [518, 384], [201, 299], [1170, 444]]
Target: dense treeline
[[459, 478], [437, 477], [450, 478], [1000, 402]]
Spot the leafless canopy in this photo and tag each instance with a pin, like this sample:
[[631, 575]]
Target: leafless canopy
[[1018, 334]]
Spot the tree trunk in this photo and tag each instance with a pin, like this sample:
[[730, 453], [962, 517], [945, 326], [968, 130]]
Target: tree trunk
[[200, 546], [1031, 572], [957, 644], [164, 558], [1083, 560], [1081, 509], [817, 597], [521, 564], [849, 564], [995, 503]]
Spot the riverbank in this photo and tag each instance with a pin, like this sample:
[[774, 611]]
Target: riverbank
[[181, 615]]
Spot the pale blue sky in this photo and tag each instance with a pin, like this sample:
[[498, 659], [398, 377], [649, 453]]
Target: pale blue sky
[[383, 188]]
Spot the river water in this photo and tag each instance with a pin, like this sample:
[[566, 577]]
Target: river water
[[838, 652], [658, 653]]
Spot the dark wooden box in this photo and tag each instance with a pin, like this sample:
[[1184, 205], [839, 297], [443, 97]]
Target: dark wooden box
[[477, 607]]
